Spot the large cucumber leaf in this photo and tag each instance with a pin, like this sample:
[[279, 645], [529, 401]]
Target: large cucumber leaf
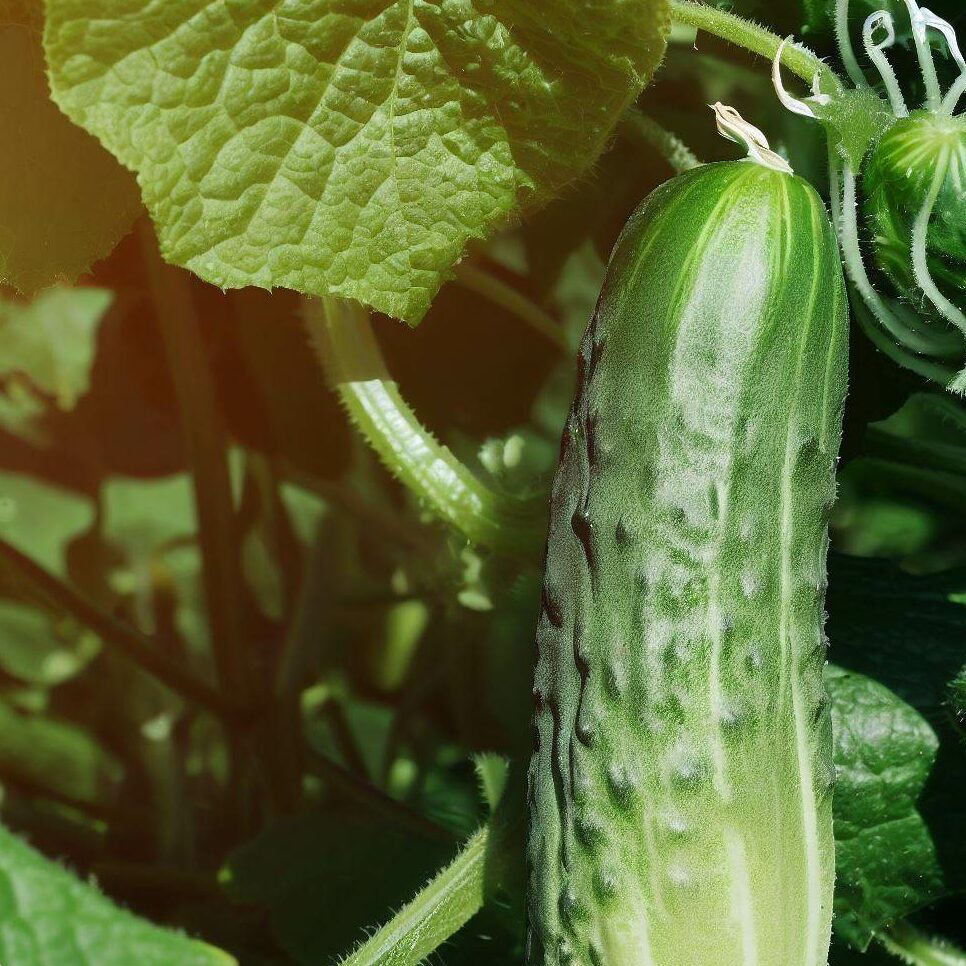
[[50, 918], [906, 632], [349, 150], [64, 201], [886, 863]]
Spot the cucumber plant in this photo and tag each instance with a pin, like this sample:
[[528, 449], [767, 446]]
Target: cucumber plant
[[680, 791], [245, 671], [908, 181]]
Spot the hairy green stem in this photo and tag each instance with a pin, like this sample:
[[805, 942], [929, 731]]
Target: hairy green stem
[[844, 40], [917, 949], [927, 64], [752, 37], [645, 130], [876, 53], [953, 95], [920, 258], [127, 641], [446, 904], [343, 337], [506, 296]]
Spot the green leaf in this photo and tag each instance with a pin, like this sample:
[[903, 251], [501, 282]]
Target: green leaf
[[37, 649], [57, 757], [47, 350], [899, 628], [50, 918], [349, 151], [53, 339], [493, 772], [904, 631], [40, 520], [886, 864], [64, 201], [145, 517]]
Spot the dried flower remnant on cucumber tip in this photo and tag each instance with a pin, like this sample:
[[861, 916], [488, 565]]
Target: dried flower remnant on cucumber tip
[[911, 193], [734, 127]]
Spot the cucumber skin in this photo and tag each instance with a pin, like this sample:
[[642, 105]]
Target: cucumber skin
[[680, 787]]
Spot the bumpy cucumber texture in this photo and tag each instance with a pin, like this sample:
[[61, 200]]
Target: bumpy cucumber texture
[[680, 790]]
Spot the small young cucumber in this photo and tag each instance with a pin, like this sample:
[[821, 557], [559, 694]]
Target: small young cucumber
[[680, 789], [917, 172]]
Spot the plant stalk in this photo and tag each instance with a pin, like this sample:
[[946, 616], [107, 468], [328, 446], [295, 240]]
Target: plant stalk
[[917, 949], [758, 40], [446, 904], [343, 337]]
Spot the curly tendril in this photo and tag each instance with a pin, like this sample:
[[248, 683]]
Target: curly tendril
[[910, 189]]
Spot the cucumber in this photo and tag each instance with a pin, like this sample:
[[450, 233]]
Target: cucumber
[[680, 787], [920, 161]]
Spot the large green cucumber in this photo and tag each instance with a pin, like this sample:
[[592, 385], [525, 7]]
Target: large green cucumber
[[680, 790]]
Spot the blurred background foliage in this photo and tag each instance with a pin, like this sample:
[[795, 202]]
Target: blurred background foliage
[[402, 652]]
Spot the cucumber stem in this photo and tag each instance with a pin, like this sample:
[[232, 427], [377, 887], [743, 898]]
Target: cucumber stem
[[446, 904], [347, 347], [876, 53], [844, 40], [750, 36], [927, 65], [645, 130], [917, 949]]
